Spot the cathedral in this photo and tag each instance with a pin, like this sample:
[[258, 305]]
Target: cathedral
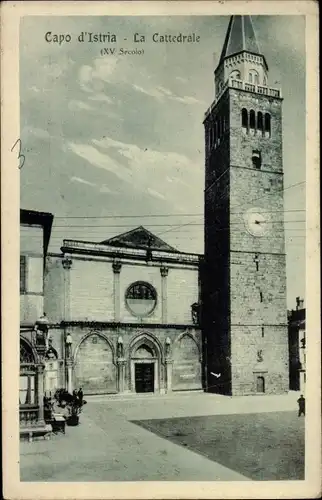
[[132, 314]]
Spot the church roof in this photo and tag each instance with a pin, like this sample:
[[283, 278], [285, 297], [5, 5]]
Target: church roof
[[240, 37], [139, 238]]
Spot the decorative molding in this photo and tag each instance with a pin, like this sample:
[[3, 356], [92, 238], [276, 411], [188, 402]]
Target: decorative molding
[[117, 266], [113, 324], [151, 340], [67, 263], [164, 271], [89, 248]]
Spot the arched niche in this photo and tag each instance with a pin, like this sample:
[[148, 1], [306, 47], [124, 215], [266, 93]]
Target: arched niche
[[94, 368], [186, 364], [28, 375]]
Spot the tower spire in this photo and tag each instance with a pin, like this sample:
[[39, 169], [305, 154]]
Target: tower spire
[[240, 37], [241, 61]]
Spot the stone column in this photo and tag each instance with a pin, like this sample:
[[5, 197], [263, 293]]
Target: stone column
[[116, 289], [67, 264], [121, 362], [164, 273], [40, 382], [69, 364], [168, 368]]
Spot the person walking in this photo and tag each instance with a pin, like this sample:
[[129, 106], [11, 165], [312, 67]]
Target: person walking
[[80, 395], [301, 403]]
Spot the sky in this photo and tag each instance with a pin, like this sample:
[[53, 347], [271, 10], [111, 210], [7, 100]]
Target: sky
[[117, 141]]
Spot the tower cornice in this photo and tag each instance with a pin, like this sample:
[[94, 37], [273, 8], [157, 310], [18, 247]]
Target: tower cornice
[[242, 86]]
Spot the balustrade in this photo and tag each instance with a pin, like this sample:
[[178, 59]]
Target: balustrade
[[28, 415], [248, 87]]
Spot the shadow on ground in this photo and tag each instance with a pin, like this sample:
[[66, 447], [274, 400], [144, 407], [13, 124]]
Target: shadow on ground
[[261, 446]]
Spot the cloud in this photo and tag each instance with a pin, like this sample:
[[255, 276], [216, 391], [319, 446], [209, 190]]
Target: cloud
[[101, 189], [152, 92], [105, 189], [163, 174], [189, 100], [82, 181], [40, 133], [74, 105], [156, 194], [164, 93], [101, 97], [99, 160], [93, 78], [112, 70], [182, 80]]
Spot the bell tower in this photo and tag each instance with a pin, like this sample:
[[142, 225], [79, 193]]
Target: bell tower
[[244, 283]]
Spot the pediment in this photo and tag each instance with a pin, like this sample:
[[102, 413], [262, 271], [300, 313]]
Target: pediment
[[139, 238]]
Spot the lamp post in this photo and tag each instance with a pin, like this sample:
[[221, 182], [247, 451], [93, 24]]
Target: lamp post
[[120, 363], [168, 364], [40, 342], [69, 362]]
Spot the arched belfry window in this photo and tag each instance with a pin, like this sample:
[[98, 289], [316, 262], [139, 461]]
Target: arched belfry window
[[265, 81], [252, 123], [253, 77], [267, 125], [235, 75], [259, 123], [244, 120]]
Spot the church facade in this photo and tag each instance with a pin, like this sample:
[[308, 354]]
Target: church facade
[[126, 315], [244, 285]]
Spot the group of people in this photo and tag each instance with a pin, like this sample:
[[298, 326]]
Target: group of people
[[78, 395]]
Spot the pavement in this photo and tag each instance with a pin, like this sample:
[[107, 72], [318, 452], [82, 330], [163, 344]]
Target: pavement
[[107, 446]]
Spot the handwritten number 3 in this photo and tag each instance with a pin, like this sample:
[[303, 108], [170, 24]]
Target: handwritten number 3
[[21, 157]]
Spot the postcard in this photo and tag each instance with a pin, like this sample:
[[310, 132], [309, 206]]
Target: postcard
[[160, 193]]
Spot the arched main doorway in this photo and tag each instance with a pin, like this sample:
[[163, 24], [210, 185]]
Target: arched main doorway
[[145, 367], [95, 370], [186, 365]]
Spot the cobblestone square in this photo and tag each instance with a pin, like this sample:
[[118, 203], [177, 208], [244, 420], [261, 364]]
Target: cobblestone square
[[108, 446], [262, 446]]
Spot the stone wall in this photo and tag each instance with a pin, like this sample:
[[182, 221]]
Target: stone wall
[[97, 358], [54, 292], [91, 291], [31, 299]]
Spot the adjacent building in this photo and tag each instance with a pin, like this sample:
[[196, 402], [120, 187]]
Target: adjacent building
[[35, 350], [297, 347]]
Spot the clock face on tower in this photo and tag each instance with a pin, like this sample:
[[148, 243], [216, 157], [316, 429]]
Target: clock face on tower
[[256, 222]]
